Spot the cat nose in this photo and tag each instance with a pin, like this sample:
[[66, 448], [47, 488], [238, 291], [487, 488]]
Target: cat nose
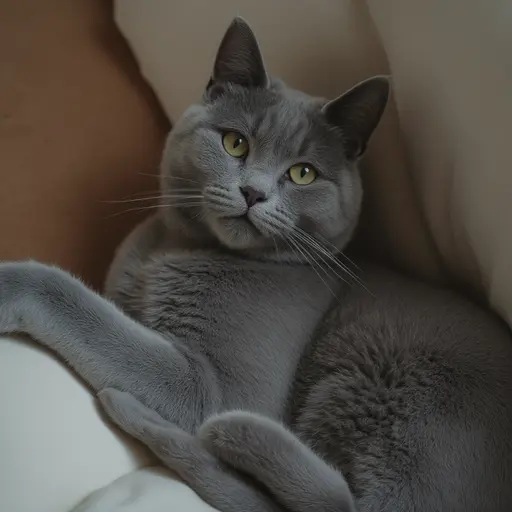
[[252, 196]]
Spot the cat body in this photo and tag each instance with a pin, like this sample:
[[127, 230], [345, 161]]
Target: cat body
[[231, 345], [407, 393], [232, 310], [403, 391]]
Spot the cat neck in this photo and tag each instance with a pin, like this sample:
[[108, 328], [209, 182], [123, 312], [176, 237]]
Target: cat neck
[[189, 233]]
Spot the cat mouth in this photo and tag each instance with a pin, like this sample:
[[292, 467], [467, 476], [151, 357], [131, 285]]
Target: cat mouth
[[242, 224], [247, 220]]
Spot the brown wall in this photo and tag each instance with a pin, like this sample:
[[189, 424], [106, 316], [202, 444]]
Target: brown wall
[[78, 126]]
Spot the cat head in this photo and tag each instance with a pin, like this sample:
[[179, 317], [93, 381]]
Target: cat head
[[260, 165]]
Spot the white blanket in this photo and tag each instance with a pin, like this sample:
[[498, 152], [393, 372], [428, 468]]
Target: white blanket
[[55, 448]]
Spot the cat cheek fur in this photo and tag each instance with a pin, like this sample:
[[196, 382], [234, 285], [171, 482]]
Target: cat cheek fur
[[331, 210]]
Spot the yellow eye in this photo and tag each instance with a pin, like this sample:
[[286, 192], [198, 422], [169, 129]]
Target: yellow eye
[[303, 174], [235, 144]]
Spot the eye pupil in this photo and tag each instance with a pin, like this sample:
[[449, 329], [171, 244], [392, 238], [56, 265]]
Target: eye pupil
[[236, 145], [303, 172]]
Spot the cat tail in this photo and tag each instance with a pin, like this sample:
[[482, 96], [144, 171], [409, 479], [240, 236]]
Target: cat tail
[[215, 482], [264, 449]]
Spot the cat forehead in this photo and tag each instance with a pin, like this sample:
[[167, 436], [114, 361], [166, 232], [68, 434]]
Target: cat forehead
[[254, 110], [277, 117]]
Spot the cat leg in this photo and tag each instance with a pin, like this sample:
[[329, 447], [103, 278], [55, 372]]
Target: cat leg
[[103, 345], [264, 449], [216, 483]]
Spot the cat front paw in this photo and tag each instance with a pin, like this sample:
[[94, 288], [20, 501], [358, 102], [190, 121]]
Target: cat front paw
[[230, 432], [18, 283], [128, 413]]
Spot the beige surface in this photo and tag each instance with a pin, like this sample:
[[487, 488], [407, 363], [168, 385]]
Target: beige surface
[[439, 170], [77, 125], [452, 67]]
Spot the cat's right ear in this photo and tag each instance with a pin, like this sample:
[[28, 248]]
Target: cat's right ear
[[238, 60]]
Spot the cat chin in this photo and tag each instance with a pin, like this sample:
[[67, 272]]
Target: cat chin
[[237, 233]]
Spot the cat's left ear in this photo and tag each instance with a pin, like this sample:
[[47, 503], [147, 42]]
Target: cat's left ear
[[239, 59], [357, 113]]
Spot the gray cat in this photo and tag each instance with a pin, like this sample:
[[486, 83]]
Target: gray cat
[[404, 392]]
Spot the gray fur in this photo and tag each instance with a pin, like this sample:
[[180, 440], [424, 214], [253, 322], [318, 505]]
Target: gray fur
[[213, 306], [407, 394]]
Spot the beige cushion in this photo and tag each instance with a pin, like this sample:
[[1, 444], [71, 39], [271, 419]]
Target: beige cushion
[[452, 69], [77, 126], [438, 172]]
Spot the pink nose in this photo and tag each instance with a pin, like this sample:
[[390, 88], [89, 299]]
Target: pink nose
[[252, 196]]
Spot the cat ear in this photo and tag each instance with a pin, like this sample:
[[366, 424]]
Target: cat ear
[[357, 113], [239, 59]]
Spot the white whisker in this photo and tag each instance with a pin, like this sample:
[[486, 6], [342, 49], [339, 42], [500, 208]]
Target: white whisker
[[156, 192], [170, 176], [312, 264], [151, 175], [320, 249], [275, 245], [157, 207], [152, 198], [318, 254], [179, 178], [311, 240], [199, 215], [336, 250], [142, 192]]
